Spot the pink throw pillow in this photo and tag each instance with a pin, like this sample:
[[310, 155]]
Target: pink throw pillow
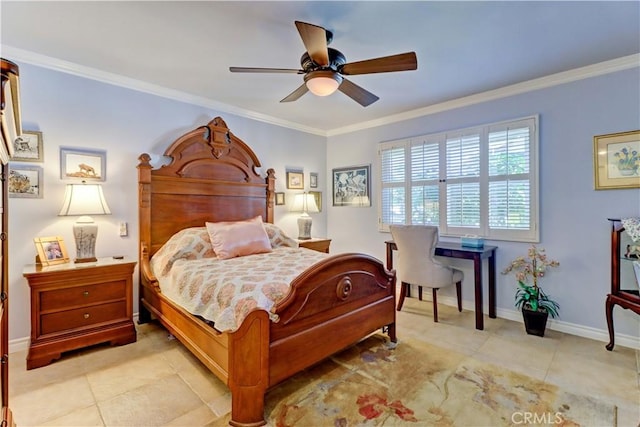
[[239, 238]]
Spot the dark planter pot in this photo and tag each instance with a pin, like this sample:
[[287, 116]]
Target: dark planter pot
[[535, 322]]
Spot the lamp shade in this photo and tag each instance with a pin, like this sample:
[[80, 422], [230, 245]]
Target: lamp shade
[[322, 82], [84, 199], [304, 202]]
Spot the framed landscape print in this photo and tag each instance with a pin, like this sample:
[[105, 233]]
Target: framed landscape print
[[616, 160], [83, 164], [28, 147], [352, 186]]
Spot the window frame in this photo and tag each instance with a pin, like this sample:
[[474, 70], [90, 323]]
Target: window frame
[[532, 234]]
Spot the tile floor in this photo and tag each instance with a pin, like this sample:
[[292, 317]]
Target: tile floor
[[156, 382]]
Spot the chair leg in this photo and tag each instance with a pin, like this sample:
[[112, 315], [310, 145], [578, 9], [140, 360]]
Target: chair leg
[[459, 293], [435, 305], [419, 293], [403, 293]]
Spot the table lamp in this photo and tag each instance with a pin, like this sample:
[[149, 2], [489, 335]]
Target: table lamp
[[304, 203], [84, 200]]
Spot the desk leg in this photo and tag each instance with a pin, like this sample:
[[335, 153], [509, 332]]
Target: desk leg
[[492, 285], [477, 268]]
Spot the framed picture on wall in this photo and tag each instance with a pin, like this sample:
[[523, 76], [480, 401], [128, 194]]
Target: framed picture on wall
[[25, 181], [280, 199], [352, 186], [317, 195], [295, 180], [313, 180], [28, 147], [616, 160], [83, 164]]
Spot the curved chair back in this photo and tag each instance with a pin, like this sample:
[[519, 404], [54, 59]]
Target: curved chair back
[[416, 256]]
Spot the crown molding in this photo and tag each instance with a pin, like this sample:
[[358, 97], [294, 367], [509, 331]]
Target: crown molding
[[72, 68], [594, 70], [601, 68]]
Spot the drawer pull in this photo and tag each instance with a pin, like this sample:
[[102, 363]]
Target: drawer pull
[[85, 293], [86, 315]]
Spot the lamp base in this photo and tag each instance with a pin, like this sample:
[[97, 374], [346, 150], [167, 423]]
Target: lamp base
[[304, 227], [85, 232], [81, 260]]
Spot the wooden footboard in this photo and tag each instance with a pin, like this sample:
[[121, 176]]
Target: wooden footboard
[[331, 306]]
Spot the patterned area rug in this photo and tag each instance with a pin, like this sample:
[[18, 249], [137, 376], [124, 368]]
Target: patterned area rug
[[373, 384]]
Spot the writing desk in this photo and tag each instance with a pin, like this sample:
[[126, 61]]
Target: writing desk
[[456, 250]]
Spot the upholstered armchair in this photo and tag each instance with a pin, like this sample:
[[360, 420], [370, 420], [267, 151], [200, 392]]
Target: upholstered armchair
[[418, 266]]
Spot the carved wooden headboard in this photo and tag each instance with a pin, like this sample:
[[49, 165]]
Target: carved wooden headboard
[[212, 176]]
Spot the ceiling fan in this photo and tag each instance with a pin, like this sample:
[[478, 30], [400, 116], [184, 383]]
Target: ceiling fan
[[324, 67]]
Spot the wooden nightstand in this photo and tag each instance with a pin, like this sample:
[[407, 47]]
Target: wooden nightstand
[[315, 243], [77, 305]]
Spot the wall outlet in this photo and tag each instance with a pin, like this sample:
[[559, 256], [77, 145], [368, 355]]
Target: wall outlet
[[124, 229]]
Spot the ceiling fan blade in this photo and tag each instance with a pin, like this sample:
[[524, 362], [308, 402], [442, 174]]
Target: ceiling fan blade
[[315, 41], [358, 94], [386, 64], [264, 70], [296, 94]]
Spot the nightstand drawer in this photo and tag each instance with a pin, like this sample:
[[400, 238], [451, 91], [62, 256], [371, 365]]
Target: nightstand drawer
[[82, 295], [82, 317]]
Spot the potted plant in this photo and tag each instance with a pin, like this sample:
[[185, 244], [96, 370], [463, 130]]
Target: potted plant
[[535, 304]]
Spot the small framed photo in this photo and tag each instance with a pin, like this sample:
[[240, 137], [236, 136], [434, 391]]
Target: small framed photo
[[51, 250], [352, 186], [616, 160], [81, 164], [28, 147], [295, 180], [25, 181], [313, 180], [317, 195], [280, 199]]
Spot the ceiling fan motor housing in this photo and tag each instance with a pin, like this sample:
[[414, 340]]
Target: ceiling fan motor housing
[[336, 60]]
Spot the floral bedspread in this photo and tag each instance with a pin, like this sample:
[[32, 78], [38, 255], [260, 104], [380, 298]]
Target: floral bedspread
[[225, 291]]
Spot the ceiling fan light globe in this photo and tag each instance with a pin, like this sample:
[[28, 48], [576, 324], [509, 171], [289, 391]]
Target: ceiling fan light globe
[[323, 83]]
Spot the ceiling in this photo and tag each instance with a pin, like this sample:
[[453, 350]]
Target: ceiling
[[186, 48]]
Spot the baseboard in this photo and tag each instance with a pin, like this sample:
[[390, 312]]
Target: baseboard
[[21, 344], [18, 344], [553, 324]]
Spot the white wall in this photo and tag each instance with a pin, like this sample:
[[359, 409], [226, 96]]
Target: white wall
[[574, 226], [77, 112]]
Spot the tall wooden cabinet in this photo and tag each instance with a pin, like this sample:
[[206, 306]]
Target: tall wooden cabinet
[[10, 128], [4, 301], [624, 284]]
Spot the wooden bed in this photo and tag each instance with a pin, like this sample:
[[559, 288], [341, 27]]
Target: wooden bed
[[213, 176]]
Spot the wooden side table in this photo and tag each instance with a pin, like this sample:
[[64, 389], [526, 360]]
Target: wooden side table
[[316, 243], [77, 305]]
